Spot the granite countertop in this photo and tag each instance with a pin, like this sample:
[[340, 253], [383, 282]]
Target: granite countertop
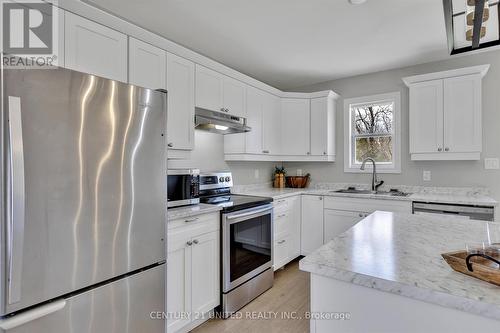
[[188, 211], [401, 254], [466, 196]]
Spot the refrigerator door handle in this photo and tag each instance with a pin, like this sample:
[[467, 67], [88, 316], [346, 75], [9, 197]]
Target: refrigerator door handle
[[31, 315], [15, 234]]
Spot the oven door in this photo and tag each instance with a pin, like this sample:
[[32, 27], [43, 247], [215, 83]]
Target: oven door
[[246, 245]]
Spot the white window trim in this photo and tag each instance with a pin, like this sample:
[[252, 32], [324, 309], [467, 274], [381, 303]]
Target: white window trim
[[381, 168]]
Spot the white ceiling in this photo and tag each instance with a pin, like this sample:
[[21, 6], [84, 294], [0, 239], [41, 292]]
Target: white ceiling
[[292, 43]]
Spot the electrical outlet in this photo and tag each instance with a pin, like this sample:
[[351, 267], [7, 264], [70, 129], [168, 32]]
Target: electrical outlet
[[427, 176], [491, 164], [256, 173], [299, 172]]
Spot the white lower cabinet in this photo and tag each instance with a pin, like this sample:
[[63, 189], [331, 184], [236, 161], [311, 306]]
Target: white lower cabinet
[[312, 224], [338, 221], [193, 277], [286, 245]]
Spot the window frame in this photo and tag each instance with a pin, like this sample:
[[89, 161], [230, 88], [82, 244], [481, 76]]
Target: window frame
[[349, 138]]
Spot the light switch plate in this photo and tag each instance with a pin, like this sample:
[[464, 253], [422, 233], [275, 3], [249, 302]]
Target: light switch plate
[[256, 174], [427, 176], [491, 163]]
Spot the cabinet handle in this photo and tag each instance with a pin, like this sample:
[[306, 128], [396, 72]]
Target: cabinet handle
[[320, 198], [360, 215], [324, 153], [281, 241], [192, 220], [170, 145], [440, 149], [189, 243], [195, 241], [308, 153], [281, 215], [265, 151], [447, 149], [222, 109]]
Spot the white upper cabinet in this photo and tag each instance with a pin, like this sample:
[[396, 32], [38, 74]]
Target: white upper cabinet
[[445, 114], [95, 49], [233, 96], [323, 127], [271, 132], [462, 114], [295, 122], [255, 105], [208, 89], [426, 117], [147, 65], [218, 92], [181, 91]]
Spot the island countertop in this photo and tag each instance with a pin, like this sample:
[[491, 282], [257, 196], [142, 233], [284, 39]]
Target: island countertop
[[401, 254]]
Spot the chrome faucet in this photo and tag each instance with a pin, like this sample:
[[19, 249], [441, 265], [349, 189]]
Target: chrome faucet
[[375, 183]]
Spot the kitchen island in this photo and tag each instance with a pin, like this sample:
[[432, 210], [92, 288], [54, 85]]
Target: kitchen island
[[386, 274]]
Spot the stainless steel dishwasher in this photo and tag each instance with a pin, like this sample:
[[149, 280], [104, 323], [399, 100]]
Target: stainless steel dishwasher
[[483, 213]]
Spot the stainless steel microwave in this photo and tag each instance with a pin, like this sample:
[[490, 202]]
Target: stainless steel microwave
[[183, 187]]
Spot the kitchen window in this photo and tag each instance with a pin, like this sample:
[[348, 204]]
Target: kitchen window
[[372, 129]]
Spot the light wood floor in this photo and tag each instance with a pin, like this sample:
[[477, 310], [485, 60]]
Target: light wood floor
[[290, 293]]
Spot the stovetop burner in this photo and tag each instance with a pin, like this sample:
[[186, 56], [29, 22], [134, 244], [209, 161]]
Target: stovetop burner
[[233, 202]]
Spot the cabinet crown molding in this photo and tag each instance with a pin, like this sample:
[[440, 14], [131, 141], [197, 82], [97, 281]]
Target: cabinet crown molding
[[481, 70], [317, 94]]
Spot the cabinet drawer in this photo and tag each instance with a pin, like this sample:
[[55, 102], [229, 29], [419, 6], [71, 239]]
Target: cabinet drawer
[[281, 222], [281, 251], [211, 219], [367, 205]]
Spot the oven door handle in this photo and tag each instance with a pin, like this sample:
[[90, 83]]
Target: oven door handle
[[253, 212]]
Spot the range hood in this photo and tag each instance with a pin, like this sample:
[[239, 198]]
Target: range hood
[[219, 122]]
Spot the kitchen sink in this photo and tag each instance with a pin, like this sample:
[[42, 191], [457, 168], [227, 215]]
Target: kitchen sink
[[392, 192]]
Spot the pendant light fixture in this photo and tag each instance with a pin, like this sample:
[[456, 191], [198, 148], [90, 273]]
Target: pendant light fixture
[[477, 13]]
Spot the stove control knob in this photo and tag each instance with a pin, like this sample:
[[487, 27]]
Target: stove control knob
[[221, 179], [228, 179]]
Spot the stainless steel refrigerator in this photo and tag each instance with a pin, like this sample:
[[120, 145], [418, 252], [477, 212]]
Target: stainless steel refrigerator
[[83, 204]]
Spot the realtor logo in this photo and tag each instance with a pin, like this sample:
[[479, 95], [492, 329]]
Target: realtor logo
[[29, 33]]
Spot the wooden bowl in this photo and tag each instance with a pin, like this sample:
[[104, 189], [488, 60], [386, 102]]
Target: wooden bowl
[[297, 181]]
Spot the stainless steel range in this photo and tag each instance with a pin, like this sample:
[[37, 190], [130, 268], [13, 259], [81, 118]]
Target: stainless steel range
[[246, 242]]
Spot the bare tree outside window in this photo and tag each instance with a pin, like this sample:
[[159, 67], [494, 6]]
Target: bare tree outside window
[[373, 131]]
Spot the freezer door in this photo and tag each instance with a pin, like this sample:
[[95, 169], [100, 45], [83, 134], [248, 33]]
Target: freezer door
[[134, 304], [85, 165]]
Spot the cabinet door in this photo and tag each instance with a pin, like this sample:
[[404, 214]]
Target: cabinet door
[[462, 114], [311, 224], [338, 221], [234, 96], [426, 117], [294, 216], [147, 65], [295, 130], [205, 268], [208, 89], [322, 126], [255, 102], [271, 133], [178, 280], [95, 49], [180, 86]]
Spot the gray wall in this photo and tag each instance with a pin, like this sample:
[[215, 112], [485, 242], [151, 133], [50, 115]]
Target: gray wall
[[444, 173], [208, 155]]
